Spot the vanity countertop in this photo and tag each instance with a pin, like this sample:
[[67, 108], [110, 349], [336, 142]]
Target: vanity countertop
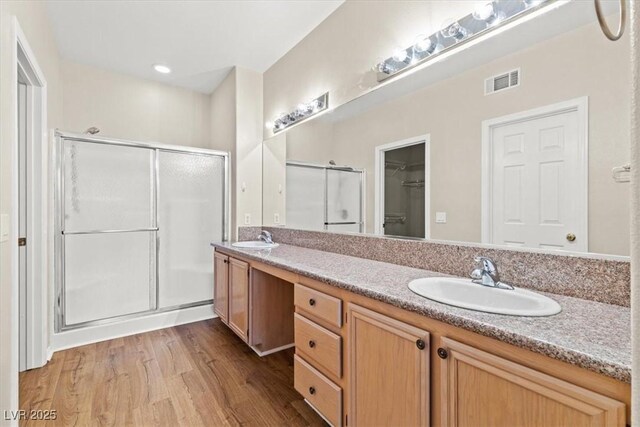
[[588, 334]]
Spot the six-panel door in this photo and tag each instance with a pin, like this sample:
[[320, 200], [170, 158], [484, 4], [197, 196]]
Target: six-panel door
[[239, 298], [388, 371], [221, 286]]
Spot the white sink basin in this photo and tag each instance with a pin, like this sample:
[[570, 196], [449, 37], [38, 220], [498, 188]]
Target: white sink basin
[[466, 294], [255, 244]]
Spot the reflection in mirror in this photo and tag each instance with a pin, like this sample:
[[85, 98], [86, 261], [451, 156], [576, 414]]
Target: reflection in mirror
[[515, 151]]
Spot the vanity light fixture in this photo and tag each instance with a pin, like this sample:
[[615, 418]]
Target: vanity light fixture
[[163, 69], [453, 33], [302, 112]]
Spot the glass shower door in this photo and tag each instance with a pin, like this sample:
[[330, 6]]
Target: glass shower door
[[190, 217], [108, 229], [344, 200]]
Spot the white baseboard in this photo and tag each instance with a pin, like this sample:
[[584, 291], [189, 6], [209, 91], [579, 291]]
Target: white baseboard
[[273, 350], [92, 334]]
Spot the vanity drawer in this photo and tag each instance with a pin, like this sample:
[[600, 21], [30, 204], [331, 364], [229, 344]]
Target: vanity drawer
[[318, 345], [318, 390], [318, 304]]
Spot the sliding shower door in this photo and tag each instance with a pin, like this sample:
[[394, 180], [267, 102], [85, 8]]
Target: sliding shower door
[[109, 231], [190, 217], [135, 226]]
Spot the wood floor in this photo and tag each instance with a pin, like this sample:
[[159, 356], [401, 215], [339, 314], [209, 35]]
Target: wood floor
[[192, 375]]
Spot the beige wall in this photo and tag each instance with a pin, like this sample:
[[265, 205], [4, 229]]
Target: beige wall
[[223, 129], [452, 111], [338, 55], [34, 22], [248, 147], [132, 108], [236, 126]]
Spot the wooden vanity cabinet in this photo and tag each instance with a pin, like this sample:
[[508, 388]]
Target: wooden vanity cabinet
[[361, 362], [231, 293], [389, 370], [481, 389], [221, 286], [239, 298]]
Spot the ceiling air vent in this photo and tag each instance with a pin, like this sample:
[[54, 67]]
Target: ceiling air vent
[[502, 82]]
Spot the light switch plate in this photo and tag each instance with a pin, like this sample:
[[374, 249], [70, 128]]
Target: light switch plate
[[441, 217], [276, 218], [4, 227]]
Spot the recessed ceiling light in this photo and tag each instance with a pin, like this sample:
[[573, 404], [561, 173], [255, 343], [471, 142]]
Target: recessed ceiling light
[[162, 68]]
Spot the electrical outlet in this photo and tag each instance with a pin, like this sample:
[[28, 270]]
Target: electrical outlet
[[247, 219], [441, 217], [276, 218]]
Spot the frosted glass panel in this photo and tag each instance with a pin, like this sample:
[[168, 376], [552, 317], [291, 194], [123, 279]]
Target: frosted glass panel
[[343, 196], [190, 217], [107, 187], [305, 197], [107, 275]]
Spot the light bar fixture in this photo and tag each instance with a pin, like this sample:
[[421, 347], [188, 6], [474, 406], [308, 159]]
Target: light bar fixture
[[484, 19], [302, 112]]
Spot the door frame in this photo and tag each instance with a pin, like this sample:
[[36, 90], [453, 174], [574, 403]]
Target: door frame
[[38, 243], [581, 107], [380, 151]]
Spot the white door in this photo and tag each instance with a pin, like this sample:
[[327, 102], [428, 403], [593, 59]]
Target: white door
[[537, 183]]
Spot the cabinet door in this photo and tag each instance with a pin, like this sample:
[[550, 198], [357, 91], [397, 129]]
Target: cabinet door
[[239, 298], [221, 286], [389, 371], [481, 389]]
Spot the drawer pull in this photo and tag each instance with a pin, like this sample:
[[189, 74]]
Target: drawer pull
[[312, 390], [312, 343], [420, 344], [312, 302], [442, 353]]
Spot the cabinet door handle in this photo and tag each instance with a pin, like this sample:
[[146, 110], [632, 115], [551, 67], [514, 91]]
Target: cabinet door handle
[[421, 344], [442, 353], [312, 302], [312, 390], [312, 343]]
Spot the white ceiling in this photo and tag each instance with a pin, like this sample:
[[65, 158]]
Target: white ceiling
[[200, 40]]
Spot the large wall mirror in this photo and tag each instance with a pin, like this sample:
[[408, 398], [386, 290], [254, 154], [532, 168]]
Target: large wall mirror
[[520, 149]]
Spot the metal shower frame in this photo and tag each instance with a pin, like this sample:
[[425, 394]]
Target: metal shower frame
[[59, 214]]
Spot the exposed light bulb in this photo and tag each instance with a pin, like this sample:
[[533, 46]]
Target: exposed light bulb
[[270, 125], [400, 55], [531, 3], [484, 12], [454, 30], [162, 68], [423, 44]]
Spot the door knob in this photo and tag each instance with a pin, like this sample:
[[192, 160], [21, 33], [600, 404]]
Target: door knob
[[571, 237]]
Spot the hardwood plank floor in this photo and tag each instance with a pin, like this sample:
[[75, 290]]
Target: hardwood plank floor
[[200, 374]]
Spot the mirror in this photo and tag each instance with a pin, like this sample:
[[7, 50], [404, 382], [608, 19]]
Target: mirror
[[517, 149]]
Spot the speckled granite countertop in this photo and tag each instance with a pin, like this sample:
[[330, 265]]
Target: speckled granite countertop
[[589, 334]]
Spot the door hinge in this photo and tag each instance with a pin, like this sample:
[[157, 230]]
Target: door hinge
[[22, 241]]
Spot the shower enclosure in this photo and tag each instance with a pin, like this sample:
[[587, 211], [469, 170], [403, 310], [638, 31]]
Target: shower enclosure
[[324, 197], [133, 226]]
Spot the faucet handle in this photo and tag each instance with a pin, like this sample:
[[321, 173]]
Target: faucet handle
[[488, 264]]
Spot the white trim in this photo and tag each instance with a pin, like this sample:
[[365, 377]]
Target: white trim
[[152, 322], [38, 224], [579, 105], [273, 350], [379, 180]]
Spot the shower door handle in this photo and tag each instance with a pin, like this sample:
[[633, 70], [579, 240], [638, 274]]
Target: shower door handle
[[132, 230]]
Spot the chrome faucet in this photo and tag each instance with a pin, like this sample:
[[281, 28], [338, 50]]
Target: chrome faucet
[[265, 236], [487, 274]]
